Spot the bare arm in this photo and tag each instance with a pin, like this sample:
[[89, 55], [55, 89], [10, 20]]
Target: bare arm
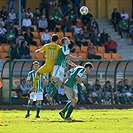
[[71, 63], [80, 82], [74, 57]]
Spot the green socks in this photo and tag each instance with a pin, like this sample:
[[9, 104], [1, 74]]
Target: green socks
[[52, 89], [65, 108], [69, 111], [29, 108], [38, 107]]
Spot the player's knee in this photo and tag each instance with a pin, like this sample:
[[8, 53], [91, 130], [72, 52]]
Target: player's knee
[[74, 102]]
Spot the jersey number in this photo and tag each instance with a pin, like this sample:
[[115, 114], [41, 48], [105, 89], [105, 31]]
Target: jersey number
[[51, 54]]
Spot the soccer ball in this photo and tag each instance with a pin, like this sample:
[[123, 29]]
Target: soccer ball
[[84, 10]]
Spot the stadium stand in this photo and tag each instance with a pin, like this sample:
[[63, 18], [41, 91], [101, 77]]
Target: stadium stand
[[77, 48], [100, 54], [101, 49], [39, 56], [84, 49], [1, 49], [6, 47], [107, 56], [33, 48], [83, 55], [116, 56]]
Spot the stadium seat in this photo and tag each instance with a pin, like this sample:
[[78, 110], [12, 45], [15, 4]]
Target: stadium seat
[[33, 48], [79, 20], [59, 42], [40, 47], [38, 42], [33, 55], [84, 49], [59, 27], [16, 26], [107, 56], [101, 49], [68, 34], [74, 54], [4, 44], [36, 35], [39, 56], [1, 49], [116, 56], [6, 48], [4, 56], [100, 54], [83, 55], [77, 48], [88, 40], [51, 33], [40, 34], [60, 34], [74, 26]]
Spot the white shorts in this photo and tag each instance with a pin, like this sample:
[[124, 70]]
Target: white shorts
[[94, 94], [128, 94], [36, 96], [59, 72]]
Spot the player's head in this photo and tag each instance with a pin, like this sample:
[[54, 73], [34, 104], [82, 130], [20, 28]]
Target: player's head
[[36, 65], [89, 67], [119, 82], [65, 40], [97, 81], [54, 37]]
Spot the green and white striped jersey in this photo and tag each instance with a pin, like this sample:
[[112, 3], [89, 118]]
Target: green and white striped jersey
[[71, 80], [62, 56], [31, 76]]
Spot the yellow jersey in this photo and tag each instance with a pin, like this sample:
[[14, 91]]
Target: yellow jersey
[[51, 50]]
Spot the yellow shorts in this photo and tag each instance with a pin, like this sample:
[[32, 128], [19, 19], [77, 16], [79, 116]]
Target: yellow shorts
[[46, 69]]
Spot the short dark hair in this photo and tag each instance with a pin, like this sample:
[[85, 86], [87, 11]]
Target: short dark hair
[[54, 37], [63, 39], [119, 81], [22, 42], [108, 82], [88, 64], [97, 80]]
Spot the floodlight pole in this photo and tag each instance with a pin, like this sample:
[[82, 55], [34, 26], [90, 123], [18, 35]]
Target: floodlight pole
[[19, 14]]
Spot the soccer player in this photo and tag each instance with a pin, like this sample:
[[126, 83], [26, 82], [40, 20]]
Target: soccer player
[[38, 93], [51, 50], [59, 68], [70, 86]]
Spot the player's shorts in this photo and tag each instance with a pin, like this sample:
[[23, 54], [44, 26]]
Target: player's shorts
[[94, 94], [71, 93], [36, 96], [46, 68], [58, 72], [128, 94]]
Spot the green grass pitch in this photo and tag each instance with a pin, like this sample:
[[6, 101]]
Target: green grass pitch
[[86, 121]]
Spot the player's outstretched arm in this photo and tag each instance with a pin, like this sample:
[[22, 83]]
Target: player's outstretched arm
[[74, 57], [38, 50], [71, 63]]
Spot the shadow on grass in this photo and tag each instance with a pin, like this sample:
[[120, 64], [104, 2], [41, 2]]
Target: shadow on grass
[[67, 121]]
